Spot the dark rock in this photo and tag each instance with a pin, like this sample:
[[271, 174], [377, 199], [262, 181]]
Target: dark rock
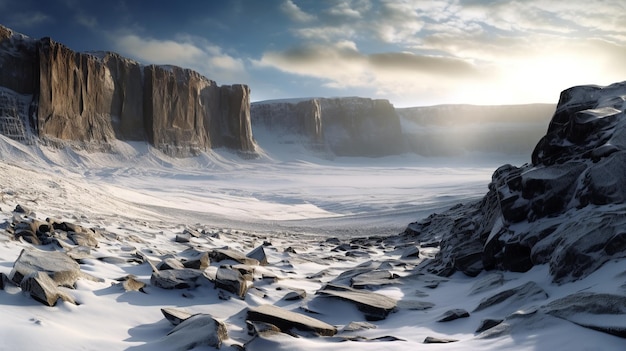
[[182, 238], [259, 255], [218, 255], [175, 316], [43, 289], [197, 330], [83, 239], [200, 261], [433, 340], [374, 306], [373, 278], [231, 280], [177, 278], [453, 315], [598, 311], [295, 294], [169, 263], [487, 324], [59, 266], [522, 294], [490, 281], [286, 320], [411, 252], [21, 209]]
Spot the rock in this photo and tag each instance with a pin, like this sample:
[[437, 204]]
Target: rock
[[43, 289], [182, 238], [374, 278], [259, 255], [59, 266], [83, 239], [169, 263], [411, 252], [374, 306], [218, 255], [200, 261], [261, 329], [453, 315], [522, 294], [415, 305], [357, 326], [490, 281], [197, 330], [231, 280], [487, 324], [295, 294], [433, 340], [130, 283], [286, 320], [177, 278], [345, 126], [598, 311], [22, 209], [175, 316], [91, 99]]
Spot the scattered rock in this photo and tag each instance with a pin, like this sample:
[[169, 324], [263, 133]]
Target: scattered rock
[[198, 261], [490, 281], [487, 324], [177, 278], [522, 294], [197, 330], [218, 255], [357, 326], [59, 266], [295, 294], [374, 306], [231, 280], [372, 279], [43, 289], [411, 252], [261, 329], [175, 316], [286, 320], [83, 239], [170, 263], [433, 340], [259, 255], [598, 311], [453, 315], [130, 283], [182, 238]]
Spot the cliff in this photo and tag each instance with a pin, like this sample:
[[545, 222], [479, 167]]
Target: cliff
[[95, 98], [349, 126], [566, 209]]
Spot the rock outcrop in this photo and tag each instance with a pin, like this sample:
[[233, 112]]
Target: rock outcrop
[[566, 209], [94, 98], [350, 126]]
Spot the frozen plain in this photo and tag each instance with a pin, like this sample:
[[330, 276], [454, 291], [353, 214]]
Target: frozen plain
[[295, 199]]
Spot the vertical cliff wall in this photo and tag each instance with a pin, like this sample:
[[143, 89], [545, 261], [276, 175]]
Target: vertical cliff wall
[[346, 126], [94, 98]]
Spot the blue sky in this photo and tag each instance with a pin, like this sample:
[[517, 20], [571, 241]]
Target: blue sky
[[412, 52]]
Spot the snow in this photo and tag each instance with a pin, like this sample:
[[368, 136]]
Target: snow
[[292, 199]]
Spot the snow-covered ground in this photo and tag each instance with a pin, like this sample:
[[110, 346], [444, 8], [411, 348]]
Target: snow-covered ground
[[143, 199]]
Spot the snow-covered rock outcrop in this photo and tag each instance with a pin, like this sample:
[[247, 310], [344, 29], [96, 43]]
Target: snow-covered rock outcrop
[[349, 126], [93, 98], [566, 209]]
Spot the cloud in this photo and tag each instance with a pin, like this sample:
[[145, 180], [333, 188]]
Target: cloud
[[28, 19], [185, 51], [86, 20], [294, 12]]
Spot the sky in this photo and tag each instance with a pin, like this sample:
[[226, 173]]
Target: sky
[[411, 52]]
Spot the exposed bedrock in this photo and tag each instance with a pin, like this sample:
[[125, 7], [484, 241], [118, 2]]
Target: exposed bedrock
[[94, 98], [566, 209], [349, 126]]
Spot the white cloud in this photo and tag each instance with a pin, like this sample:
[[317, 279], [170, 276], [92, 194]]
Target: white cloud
[[28, 19], [295, 13], [186, 52], [86, 21]]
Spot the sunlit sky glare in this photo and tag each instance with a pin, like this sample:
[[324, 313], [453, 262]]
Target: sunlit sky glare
[[412, 52]]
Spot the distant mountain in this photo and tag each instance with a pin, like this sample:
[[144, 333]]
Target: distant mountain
[[88, 99]]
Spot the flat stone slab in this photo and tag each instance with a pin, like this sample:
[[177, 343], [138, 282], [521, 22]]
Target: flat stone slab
[[175, 316], [177, 278], [218, 255], [286, 320], [374, 306]]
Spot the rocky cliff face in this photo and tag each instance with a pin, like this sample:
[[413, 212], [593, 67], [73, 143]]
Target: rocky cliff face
[[95, 98], [346, 126], [567, 209]]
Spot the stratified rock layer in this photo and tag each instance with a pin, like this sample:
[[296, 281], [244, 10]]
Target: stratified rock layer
[[566, 209], [94, 98]]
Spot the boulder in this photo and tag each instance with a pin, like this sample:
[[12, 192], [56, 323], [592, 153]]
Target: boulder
[[175, 316], [231, 280], [374, 306], [259, 255], [60, 267], [197, 330], [487, 324], [286, 320], [452, 315], [598, 311], [169, 263], [177, 278], [518, 296], [218, 255], [43, 289]]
